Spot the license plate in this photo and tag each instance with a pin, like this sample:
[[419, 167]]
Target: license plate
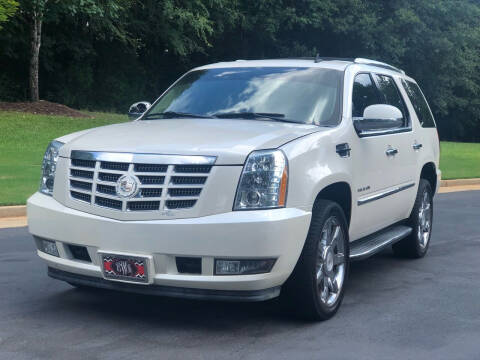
[[126, 268]]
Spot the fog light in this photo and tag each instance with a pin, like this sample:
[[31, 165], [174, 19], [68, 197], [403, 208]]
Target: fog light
[[243, 266], [49, 247]]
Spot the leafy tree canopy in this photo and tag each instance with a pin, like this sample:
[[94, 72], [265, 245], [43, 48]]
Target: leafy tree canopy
[[103, 54], [7, 9]]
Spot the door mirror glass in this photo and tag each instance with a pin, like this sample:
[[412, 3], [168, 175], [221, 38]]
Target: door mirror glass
[[137, 109], [378, 118]]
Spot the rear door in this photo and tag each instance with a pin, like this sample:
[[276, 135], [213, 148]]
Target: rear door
[[426, 145]]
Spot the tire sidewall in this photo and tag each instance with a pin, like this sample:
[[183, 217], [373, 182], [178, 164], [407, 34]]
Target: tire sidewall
[[330, 209], [414, 220]]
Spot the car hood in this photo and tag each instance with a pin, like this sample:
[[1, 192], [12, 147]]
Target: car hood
[[231, 140]]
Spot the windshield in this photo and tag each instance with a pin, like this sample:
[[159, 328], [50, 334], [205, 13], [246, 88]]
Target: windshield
[[302, 95]]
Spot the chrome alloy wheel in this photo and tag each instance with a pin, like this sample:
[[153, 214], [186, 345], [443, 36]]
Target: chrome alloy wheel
[[425, 219], [330, 263]]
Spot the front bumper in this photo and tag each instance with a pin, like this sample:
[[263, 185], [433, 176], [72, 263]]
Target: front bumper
[[277, 233], [169, 291]]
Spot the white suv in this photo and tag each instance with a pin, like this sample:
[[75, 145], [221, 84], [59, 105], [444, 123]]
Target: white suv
[[243, 181]]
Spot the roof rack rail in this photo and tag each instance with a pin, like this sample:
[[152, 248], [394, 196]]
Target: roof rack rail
[[316, 58], [377, 63], [362, 61]]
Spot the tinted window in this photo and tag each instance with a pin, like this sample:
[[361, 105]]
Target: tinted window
[[419, 104], [364, 94], [389, 94], [303, 95]]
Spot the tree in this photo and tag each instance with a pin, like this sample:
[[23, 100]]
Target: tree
[[7, 9], [35, 12], [106, 54]]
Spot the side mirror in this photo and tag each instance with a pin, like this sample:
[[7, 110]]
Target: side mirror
[[137, 109], [378, 118]]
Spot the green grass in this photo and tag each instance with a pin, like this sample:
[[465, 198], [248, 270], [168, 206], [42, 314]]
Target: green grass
[[23, 140], [24, 137], [459, 160]]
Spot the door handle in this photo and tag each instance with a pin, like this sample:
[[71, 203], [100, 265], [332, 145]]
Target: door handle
[[391, 152], [343, 150], [417, 146]]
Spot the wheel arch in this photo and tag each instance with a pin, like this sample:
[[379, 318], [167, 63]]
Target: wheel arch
[[429, 173], [341, 193]]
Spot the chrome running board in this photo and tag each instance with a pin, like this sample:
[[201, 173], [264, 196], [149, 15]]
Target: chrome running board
[[372, 244]]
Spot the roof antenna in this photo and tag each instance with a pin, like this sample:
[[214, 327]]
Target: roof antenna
[[317, 58]]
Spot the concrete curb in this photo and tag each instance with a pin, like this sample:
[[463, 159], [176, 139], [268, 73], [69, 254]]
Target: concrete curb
[[21, 210], [459, 182], [13, 211]]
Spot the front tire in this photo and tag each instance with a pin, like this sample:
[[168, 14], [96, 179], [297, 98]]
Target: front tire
[[317, 284], [416, 244]]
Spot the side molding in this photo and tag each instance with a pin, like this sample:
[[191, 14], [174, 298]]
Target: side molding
[[383, 194]]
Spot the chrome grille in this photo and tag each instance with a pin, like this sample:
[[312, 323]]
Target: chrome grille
[[81, 174], [163, 184], [151, 180], [81, 185], [143, 205], [178, 204], [110, 203], [106, 189], [83, 163], [188, 180], [109, 177], [193, 168], [114, 166], [80, 196]]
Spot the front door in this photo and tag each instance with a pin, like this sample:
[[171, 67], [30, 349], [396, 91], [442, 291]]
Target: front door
[[383, 170]]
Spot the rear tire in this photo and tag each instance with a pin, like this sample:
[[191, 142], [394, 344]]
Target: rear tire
[[416, 244], [316, 286]]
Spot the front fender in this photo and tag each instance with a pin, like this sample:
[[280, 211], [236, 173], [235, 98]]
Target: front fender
[[313, 165]]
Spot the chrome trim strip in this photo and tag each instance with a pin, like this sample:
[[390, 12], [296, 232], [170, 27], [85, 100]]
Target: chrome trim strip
[[143, 158], [384, 132], [383, 194]]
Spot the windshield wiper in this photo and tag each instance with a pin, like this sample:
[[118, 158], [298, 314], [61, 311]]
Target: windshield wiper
[[174, 114], [254, 115]]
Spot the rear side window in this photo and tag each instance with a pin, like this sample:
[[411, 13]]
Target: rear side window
[[390, 95], [419, 104], [364, 94]]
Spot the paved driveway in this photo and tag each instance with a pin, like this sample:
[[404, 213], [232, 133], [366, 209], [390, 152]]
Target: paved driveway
[[393, 309]]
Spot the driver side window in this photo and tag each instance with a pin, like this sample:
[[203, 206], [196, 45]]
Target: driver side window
[[364, 94]]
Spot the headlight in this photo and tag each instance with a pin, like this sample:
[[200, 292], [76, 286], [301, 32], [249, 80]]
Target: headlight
[[263, 183], [49, 166]]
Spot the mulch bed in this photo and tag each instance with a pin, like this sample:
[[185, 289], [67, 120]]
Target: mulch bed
[[41, 107]]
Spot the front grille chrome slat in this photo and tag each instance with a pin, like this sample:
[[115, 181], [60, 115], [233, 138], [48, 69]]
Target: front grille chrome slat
[[150, 168], [143, 205], [184, 192], [80, 196], [109, 203], [193, 169], [106, 165], [106, 189], [173, 187], [81, 174], [81, 185], [83, 163], [150, 192], [109, 177], [151, 179], [180, 204], [188, 180]]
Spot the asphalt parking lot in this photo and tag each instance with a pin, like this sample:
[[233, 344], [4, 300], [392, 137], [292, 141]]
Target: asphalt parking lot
[[393, 309]]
